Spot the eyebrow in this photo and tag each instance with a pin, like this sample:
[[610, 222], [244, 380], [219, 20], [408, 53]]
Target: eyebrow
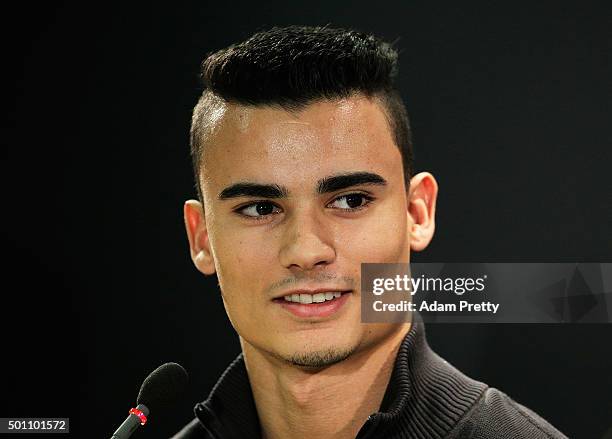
[[325, 185]]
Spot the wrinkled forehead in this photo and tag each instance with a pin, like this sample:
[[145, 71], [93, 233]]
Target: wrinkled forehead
[[273, 145]]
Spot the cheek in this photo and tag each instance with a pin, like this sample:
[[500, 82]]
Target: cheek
[[380, 239], [240, 262]]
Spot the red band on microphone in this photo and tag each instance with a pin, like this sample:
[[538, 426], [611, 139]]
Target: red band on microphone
[[140, 414]]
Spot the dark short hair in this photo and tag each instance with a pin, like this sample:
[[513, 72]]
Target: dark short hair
[[294, 66]]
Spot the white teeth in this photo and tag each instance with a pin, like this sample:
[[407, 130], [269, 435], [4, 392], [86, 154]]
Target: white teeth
[[312, 298], [318, 298], [305, 298]]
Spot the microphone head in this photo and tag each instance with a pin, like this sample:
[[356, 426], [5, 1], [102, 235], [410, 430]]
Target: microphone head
[[162, 387]]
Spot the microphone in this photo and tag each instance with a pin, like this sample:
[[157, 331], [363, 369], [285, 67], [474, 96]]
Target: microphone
[[158, 392]]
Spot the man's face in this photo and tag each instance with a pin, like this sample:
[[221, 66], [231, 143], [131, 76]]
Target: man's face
[[296, 226]]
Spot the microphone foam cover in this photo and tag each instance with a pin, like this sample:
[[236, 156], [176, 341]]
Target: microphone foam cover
[[162, 387]]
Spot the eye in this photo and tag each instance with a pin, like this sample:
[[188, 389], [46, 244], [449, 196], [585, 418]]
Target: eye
[[261, 210], [258, 210], [352, 201]]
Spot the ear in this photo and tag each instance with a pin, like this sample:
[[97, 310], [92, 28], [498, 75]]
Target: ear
[[422, 196], [199, 245]]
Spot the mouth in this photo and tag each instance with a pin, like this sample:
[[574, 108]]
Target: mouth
[[318, 305]]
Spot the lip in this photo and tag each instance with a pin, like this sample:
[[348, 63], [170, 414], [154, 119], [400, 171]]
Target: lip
[[318, 290], [314, 310]]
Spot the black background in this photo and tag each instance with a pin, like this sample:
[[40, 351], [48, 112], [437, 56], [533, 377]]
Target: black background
[[510, 107]]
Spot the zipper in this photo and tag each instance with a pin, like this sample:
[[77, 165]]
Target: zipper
[[368, 427]]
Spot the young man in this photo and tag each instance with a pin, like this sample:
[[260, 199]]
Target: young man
[[303, 163]]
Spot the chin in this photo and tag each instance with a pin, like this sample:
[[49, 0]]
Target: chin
[[317, 350], [319, 358]]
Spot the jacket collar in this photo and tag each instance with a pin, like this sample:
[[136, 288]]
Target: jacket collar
[[425, 397]]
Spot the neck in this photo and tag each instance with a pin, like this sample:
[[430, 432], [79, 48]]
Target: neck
[[332, 402]]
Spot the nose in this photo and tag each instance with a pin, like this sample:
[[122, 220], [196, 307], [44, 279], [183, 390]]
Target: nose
[[306, 242]]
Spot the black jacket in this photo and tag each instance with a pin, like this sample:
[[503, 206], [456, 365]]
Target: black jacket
[[426, 398]]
